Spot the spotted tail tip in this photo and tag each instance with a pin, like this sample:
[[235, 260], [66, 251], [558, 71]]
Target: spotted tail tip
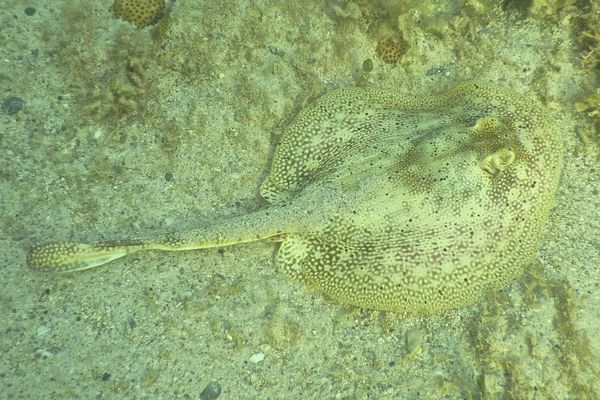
[[72, 256]]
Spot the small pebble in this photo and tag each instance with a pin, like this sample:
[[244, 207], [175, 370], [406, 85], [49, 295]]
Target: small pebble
[[276, 51], [12, 105], [438, 70], [211, 391], [414, 338], [45, 354], [257, 357], [42, 330], [168, 221]]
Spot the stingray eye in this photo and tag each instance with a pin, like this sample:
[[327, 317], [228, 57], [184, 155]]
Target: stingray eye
[[497, 162]]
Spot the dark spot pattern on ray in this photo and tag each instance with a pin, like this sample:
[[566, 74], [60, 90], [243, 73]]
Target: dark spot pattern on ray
[[413, 204]]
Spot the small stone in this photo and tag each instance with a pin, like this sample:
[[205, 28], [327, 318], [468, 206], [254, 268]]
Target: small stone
[[42, 330], [438, 70], [45, 354], [414, 338], [276, 51], [211, 392], [168, 221], [257, 357], [12, 105]]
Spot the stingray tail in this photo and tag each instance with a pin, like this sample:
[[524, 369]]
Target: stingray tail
[[75, 256]]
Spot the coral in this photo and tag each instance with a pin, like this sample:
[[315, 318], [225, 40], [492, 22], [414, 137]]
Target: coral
[[391, 48], [141, 13]]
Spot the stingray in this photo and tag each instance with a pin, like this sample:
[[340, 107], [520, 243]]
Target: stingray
[[413, 204]]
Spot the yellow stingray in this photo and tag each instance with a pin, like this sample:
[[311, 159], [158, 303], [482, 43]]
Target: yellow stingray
[[413, 204]]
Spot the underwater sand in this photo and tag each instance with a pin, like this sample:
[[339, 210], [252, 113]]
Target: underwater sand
[[125, 132]]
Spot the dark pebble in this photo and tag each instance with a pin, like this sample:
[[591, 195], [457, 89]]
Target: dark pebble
[[12, 105], [276, 51], [30, 11], [438, 70], [168, 177], [211, 392]]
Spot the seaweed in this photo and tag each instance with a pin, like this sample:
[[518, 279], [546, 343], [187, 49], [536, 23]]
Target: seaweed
[[108, 68]]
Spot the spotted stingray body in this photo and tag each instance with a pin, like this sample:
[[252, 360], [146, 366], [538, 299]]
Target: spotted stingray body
[[410, 204]]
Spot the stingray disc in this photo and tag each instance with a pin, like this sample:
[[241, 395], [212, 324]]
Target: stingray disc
[[414, 204], [403, 203]]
